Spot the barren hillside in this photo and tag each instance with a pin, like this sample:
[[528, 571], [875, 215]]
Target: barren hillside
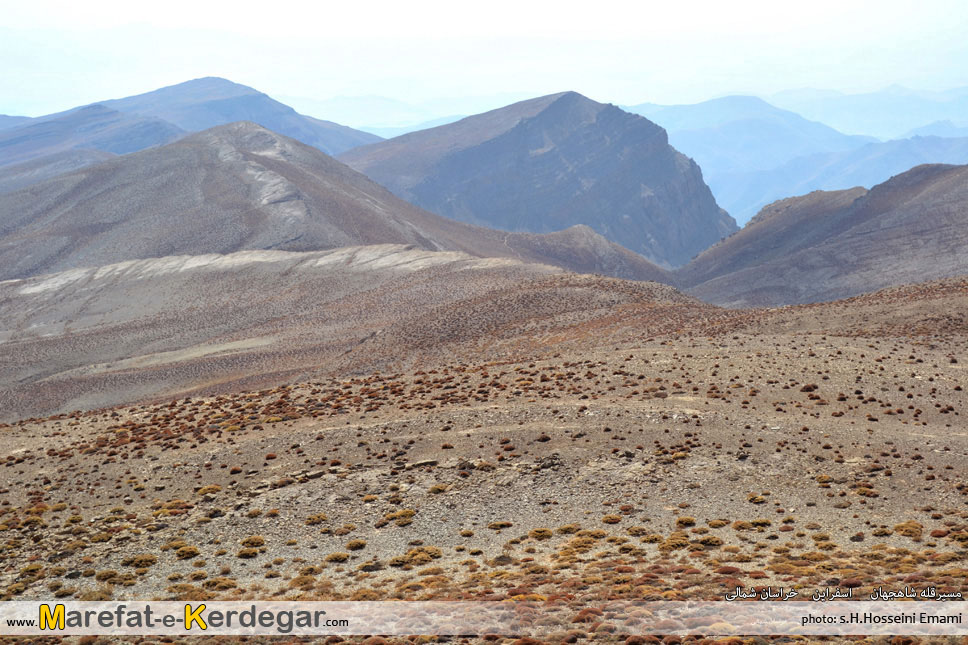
[[242, 187], [825, 246], [805, 447]]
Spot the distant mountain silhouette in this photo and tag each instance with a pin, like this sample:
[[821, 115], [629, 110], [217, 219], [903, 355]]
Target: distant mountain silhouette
[[829, 245], [740, 135], [887, 113], [94, 127], [552, 162], [868, 165], [390, 132], [243, 187], [207, 102], [943, 128]]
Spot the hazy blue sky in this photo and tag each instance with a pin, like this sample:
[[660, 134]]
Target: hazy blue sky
[[55, 55]]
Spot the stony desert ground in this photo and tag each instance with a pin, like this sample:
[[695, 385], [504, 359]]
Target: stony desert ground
[[810, 446]]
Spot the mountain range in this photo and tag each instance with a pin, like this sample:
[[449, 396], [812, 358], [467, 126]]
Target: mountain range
[[120, 126], [748, 191], [93, 127], [743, 131], [943, 128], [753, 153], [888, 113], [207, 102], [234, 368], [559, 180], [240, 187], [552, 162], [388, 132]]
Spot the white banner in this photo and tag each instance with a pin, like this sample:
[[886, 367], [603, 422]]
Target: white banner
[[721, 618]]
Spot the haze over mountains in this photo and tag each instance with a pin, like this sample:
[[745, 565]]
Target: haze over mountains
[[865, 166], [7, 121], [745, 131], [120, 126], [939, 129], [559, 180], [207, 102], [552, 162], [753, 153], [887, 113]]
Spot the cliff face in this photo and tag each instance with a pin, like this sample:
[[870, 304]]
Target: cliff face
[[563, 161]]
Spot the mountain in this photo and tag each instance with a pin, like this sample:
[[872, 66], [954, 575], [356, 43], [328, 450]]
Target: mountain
[[829, 245], [552, 162], [7, 121], [741, 134], [943, 128], [94, 127], [239, 187], [887, 113], [746, 192], [207, 102], [17, 176]]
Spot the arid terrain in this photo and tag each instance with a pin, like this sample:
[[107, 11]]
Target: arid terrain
[[234, 367], [809, 446], [829, 245]]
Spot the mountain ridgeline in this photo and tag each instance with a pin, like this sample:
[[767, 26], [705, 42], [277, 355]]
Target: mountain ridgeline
[[81, 136], [553, 162], [829, 245], [204, 103], [242, 187], [558, 180]]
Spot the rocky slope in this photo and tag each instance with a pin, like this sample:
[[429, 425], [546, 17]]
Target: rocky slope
[[242, 187], [549, 163], [148, 328], [628, 460], [824, 246], [21, 175]]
